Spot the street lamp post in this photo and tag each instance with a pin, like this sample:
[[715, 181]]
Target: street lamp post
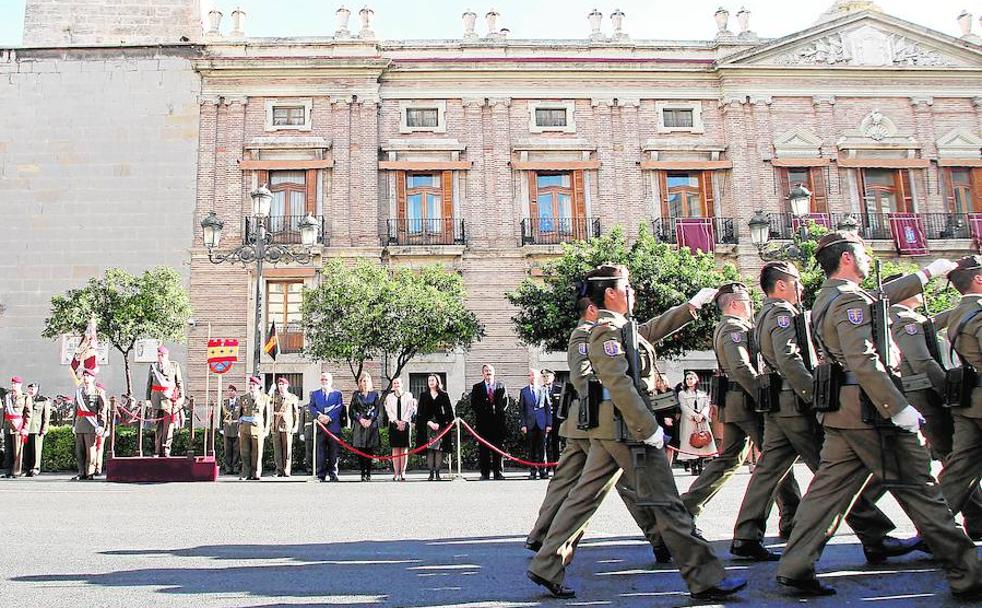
[[799, 200], [258, 247]]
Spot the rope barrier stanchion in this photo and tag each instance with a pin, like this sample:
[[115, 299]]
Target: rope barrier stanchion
[[412, 452], [460, 459], [503, 453]]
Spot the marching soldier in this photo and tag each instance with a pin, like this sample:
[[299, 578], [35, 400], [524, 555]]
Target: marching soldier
[[286, 420], [963, 470], [17, 410], [165, 391], [37, 429], [90, 420], [254, 414], [870, 428], [791, 428], [741, 423], [230, 430], [623, 416], [923, 380]]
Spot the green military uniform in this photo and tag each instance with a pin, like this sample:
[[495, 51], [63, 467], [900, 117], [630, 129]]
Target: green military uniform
[[254, 415], [37, 429], [164, 380], [574, 456], [963, 470], [793, 431], [923, 379], [740, 423], [286, 420], [90, 420], [230, 436], [608, 457], [17, 410], [853, 449]]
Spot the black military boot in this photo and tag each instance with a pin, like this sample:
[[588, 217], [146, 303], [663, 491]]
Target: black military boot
[[806, 586], [890, 547], [556, 589], [753, 550]]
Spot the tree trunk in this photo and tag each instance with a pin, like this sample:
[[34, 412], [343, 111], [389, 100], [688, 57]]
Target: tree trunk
[[126, 367]]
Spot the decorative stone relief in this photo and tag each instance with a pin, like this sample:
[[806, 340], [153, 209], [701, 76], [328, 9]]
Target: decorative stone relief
[[865, 46], [877, 126]]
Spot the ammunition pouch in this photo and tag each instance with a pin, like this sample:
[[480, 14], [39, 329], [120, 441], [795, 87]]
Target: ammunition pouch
[[589, 414], [959, 382], [719, 385], [829, 379], [643, 459], [768, 398], [916, 382], [868, 412], [567, 398]]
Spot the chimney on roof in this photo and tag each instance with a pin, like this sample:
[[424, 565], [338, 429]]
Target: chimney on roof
[[366, 15], [470, 19], [595, 18], [238, 23], [617, 20]]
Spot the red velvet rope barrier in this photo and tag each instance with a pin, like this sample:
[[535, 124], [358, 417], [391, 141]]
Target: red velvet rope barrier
[[501, 452], [358, 452], [134, 417]]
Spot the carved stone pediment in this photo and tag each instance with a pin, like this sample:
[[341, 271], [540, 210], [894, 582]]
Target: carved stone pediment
[[960, 143], [799, 143], [877, 131]]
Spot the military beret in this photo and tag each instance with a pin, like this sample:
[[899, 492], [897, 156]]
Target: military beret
[[283, 380], [731, 288], [162, 350], [255, 380], [16, 380], [834, 238], [783, 267], [88, 372]]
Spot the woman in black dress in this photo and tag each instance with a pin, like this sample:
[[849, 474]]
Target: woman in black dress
[[399, 408], [433, 414], [365, 409], [668, 420]]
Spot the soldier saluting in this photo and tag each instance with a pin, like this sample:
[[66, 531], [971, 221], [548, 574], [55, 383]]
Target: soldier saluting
[[165, 391], [870, 428], [627, 377]]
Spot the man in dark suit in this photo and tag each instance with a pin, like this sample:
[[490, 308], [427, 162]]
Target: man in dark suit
[[489, 399], [536, 421], [327, 407], [554, 391]]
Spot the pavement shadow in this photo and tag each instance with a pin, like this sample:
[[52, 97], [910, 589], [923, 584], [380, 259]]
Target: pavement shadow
[[483, 571]]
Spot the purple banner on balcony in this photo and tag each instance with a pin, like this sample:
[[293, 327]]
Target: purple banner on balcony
[[696, 233], [975, 227], [820, 219], [908, 233]]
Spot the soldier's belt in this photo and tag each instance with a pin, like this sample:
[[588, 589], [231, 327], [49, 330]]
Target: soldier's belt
[[849, 379], [916, 382], [605, 394]]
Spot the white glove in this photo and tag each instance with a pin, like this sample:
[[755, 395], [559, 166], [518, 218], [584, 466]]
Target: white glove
[[939, 268], [705, 295], [657, 440], [909, 419]]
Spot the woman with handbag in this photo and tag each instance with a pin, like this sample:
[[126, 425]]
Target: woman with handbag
[[696, 439]]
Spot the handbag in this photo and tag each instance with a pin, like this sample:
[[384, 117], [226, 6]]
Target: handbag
[[701, 438]]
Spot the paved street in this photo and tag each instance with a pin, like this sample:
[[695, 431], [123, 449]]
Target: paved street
[[296, 543]]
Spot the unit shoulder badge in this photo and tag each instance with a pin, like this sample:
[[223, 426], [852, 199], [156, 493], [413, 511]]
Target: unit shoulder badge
[[612, 348], [855, 316], [784, 321]]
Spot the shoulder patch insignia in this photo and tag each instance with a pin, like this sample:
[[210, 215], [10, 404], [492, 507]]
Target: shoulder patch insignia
[[612, 348], [582, 348], [783, 321], [736, 336], [912, 328], [855, 316]]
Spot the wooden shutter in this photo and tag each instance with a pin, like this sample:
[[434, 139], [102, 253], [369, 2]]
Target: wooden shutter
[[784, 179], [977, 189], [533, 203], [709, 202], [663, 189], [401, 198], [905, 200], [311, 181], [579, 196], [448, 220], [263, 177], [820, 191]]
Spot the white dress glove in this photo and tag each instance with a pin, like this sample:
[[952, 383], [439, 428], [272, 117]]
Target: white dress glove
[[657, 440], [939, 268], [909, 419], [704, 295]]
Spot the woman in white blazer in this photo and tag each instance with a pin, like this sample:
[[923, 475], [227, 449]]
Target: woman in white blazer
[[399, 409]]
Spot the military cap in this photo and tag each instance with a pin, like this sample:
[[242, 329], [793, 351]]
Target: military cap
[[88, 372], [162, 350], [283, 380], [783, 267], [17, 380], [607, 272], [731, 288], [834, 238], [969, 262], [255, 380]]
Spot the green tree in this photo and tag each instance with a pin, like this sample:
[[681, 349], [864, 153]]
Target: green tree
[[369, 311], [126, 308], [661, 275]]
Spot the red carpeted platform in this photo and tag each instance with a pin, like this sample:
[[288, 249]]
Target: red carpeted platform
[[175, 468]]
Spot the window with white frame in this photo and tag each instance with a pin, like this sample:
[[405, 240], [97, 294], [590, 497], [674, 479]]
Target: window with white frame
[[288, 114], [679, 117], [422, 116], [551, 116]]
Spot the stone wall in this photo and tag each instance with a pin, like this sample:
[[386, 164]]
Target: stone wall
[[98, 22]]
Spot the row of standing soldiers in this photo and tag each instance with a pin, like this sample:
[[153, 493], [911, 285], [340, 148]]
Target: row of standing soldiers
[[829, 391]]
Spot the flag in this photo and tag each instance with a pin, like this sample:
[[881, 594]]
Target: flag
[[272, 345], [222, 353], [86, 356]]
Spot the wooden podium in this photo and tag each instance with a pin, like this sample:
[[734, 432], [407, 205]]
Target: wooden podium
[[147, 469]]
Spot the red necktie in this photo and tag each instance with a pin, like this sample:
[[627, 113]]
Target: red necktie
[[490, 393]]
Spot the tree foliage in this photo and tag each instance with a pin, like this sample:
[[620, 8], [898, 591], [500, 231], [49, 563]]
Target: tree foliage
[[126, 308], [369, 311], [661, 275]]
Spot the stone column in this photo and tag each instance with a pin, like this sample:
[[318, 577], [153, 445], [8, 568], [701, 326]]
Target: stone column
[[928, 198], [341, 183], [824, 106], [476, 201]]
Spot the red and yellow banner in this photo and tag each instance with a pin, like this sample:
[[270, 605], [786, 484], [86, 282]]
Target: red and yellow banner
[[222, 353]]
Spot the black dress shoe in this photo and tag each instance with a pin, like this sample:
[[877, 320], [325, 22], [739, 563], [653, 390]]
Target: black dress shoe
[[890, 547], [806, 586], [485, 477], [532, 475], [499, 477], [543, 475], [975, 535], [557, 590], [753, 550], [723, 589], [662, 554], [972, 593], [533, 545]]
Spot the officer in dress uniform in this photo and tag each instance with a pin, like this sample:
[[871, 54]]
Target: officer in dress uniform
[[90, 422], [923, 380], [870, 428], [254, 415], [623, 416], [165, 391], [17, 410], [741, 423], [963, 470], [791, 429], [230, 430], [38, 428], [286, 420]]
